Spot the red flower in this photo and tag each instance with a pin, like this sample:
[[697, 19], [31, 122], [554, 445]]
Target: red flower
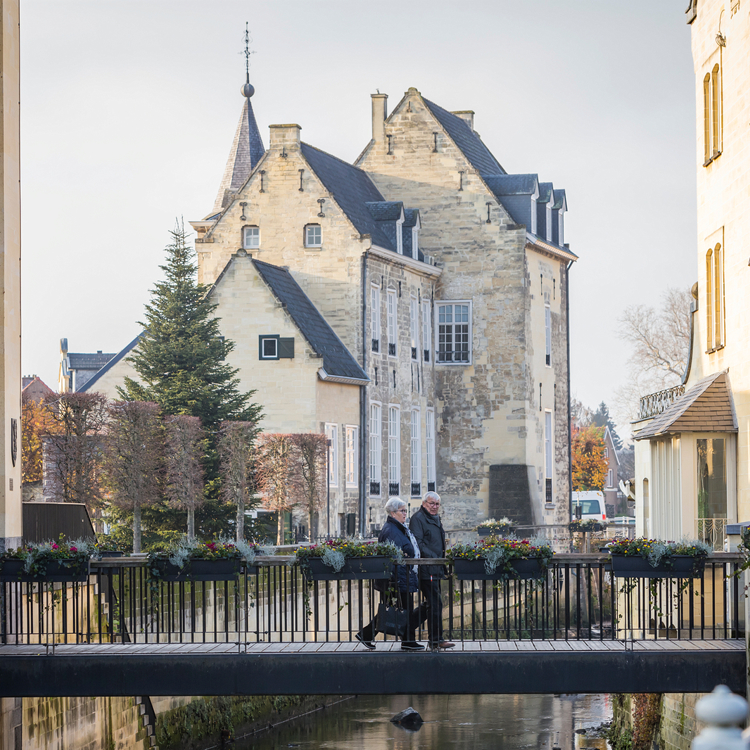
[[74, 549]]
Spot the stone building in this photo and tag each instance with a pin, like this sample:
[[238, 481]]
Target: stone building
[[693, 441], [444, 279], [76, 369]]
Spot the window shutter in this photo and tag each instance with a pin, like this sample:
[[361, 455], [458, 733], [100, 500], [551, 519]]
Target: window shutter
[[286, 348]]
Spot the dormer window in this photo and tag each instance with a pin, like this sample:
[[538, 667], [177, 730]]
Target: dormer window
[[548, 219], [560, 233], [534, 199], [250, 238], [400, 236], [313, 236]]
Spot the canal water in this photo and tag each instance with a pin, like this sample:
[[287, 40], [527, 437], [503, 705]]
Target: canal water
[[451, 722]]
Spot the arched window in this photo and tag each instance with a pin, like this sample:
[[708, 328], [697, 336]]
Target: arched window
[[710, 300], [250, 237], [707, 118], [715, 110], [718, 295]]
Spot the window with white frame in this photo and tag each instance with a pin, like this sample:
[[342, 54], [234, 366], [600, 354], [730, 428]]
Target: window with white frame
[[430, 450], [416, 453], [548, 448], [609, 477], [560, 228], [250, 237], [394, 450], [400, 236], [392, 329], [351, 468], [547, 335], [415, 242], [375, 317], [426, 329], [332, 433], [606, 453], [313, 235], [375, 449], [453, 343], [548, 218], [414, 310]]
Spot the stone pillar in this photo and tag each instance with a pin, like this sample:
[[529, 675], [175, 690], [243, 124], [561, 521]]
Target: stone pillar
[[10, 272]]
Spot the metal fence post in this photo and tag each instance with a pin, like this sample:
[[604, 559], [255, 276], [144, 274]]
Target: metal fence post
[[722, 711]]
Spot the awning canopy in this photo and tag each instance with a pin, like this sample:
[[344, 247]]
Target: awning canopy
[[706, 407]]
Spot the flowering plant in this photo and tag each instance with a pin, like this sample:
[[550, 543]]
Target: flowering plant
[[335, 551], [73, 555], [185, 550], [657, 551], [589, 524], [496, 552], [493, 525]]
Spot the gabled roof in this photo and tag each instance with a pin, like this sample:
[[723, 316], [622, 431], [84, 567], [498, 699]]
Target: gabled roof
[[114, 359], [466, 140], [561, 200], [337, 360], [546, 191], [351, 188], [706, 407], [247, 150], [88, 361]]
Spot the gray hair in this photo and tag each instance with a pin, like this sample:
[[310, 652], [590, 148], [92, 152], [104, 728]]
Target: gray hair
[[394, 504], [430, 494]]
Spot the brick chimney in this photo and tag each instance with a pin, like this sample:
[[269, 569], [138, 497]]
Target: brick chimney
[[379, 113], [284, 137]]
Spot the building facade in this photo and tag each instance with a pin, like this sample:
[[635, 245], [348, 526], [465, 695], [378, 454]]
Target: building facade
[[444, 279], [693, 441]]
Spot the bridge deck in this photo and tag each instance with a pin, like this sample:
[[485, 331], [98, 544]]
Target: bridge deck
[[321, 668]]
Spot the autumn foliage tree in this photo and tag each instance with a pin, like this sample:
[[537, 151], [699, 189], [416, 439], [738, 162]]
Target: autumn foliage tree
[[589, 465], [133, 450], [73, 439], [236, 446], [308, 478], [275, 467], [35, 423], [183, 465]]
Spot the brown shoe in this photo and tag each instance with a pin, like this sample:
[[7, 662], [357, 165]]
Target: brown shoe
[[443, 644]]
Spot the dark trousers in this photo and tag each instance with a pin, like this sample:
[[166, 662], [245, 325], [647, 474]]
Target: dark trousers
[[430, 589], [417, 616]]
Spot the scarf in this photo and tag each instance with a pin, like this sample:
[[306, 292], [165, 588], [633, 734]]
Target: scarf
[[414, 544]]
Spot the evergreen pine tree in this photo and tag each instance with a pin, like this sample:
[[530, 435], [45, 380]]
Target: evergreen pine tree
[[601, 418], [181, 363]]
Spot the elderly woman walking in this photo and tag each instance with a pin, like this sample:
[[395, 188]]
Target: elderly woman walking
[[404, 580]]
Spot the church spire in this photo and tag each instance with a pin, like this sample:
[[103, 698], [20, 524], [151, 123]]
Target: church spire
[[247, 146]]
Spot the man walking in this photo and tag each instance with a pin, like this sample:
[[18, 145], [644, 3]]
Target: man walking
[[428, 530]]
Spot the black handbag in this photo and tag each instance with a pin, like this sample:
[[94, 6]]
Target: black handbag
[[392, 620]]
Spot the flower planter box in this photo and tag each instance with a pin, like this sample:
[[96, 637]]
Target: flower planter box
[[200, 570], [355, 569], [474, 570], [56, 571], [682, 566], [594, 527], [502, 531]]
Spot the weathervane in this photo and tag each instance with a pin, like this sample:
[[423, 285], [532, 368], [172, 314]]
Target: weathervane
[[247, 52]]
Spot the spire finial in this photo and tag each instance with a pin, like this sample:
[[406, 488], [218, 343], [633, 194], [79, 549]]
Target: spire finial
[[247, 89]]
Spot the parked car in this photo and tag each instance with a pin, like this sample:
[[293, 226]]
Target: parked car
[[591, 506]]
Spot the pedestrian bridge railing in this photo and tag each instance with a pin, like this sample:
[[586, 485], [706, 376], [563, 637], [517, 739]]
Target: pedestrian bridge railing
[[577, 599]]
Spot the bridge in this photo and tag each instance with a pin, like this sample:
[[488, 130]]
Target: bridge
[[577, 630]]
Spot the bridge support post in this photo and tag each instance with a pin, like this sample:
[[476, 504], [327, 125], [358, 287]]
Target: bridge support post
[[723, 712]]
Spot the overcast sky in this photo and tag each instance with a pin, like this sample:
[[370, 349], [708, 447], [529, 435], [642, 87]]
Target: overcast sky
[[128, 110]]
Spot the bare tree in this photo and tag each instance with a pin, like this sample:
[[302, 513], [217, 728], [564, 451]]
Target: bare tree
[[73, 447], [661, 341], [185, 446], [275, 463], [236, 445], [580, 415], [133, 450], [308, 480]]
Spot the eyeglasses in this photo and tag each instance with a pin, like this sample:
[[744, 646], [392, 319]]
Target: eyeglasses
[[432, 502], [401, 510]]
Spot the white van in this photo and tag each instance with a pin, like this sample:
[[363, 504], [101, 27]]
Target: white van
[[591, 505]]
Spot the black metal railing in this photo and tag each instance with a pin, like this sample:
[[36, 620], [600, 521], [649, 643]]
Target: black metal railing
[[375, 488], [376, 345], [416, 489], [393, 488], [577, 599], [392, 350]]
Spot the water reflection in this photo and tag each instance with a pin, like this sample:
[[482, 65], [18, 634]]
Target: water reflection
[[468, 722]]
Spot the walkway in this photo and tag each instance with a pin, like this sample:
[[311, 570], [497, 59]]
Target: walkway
[[347, 668]]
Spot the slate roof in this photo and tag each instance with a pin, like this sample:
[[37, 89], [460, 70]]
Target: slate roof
[[545, 192], [512, 184], [88, 361], [337, 360], [560, 199], [113, 360], [247, 150], [467, 140], [706, 407], [352, 189]]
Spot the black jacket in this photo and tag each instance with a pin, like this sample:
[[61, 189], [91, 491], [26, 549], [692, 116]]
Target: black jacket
[[395, 532], [430, 536]]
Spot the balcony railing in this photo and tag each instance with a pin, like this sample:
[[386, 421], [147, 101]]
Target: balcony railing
[[393, 489], [712, 531], [577, 599], [655, 403]]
